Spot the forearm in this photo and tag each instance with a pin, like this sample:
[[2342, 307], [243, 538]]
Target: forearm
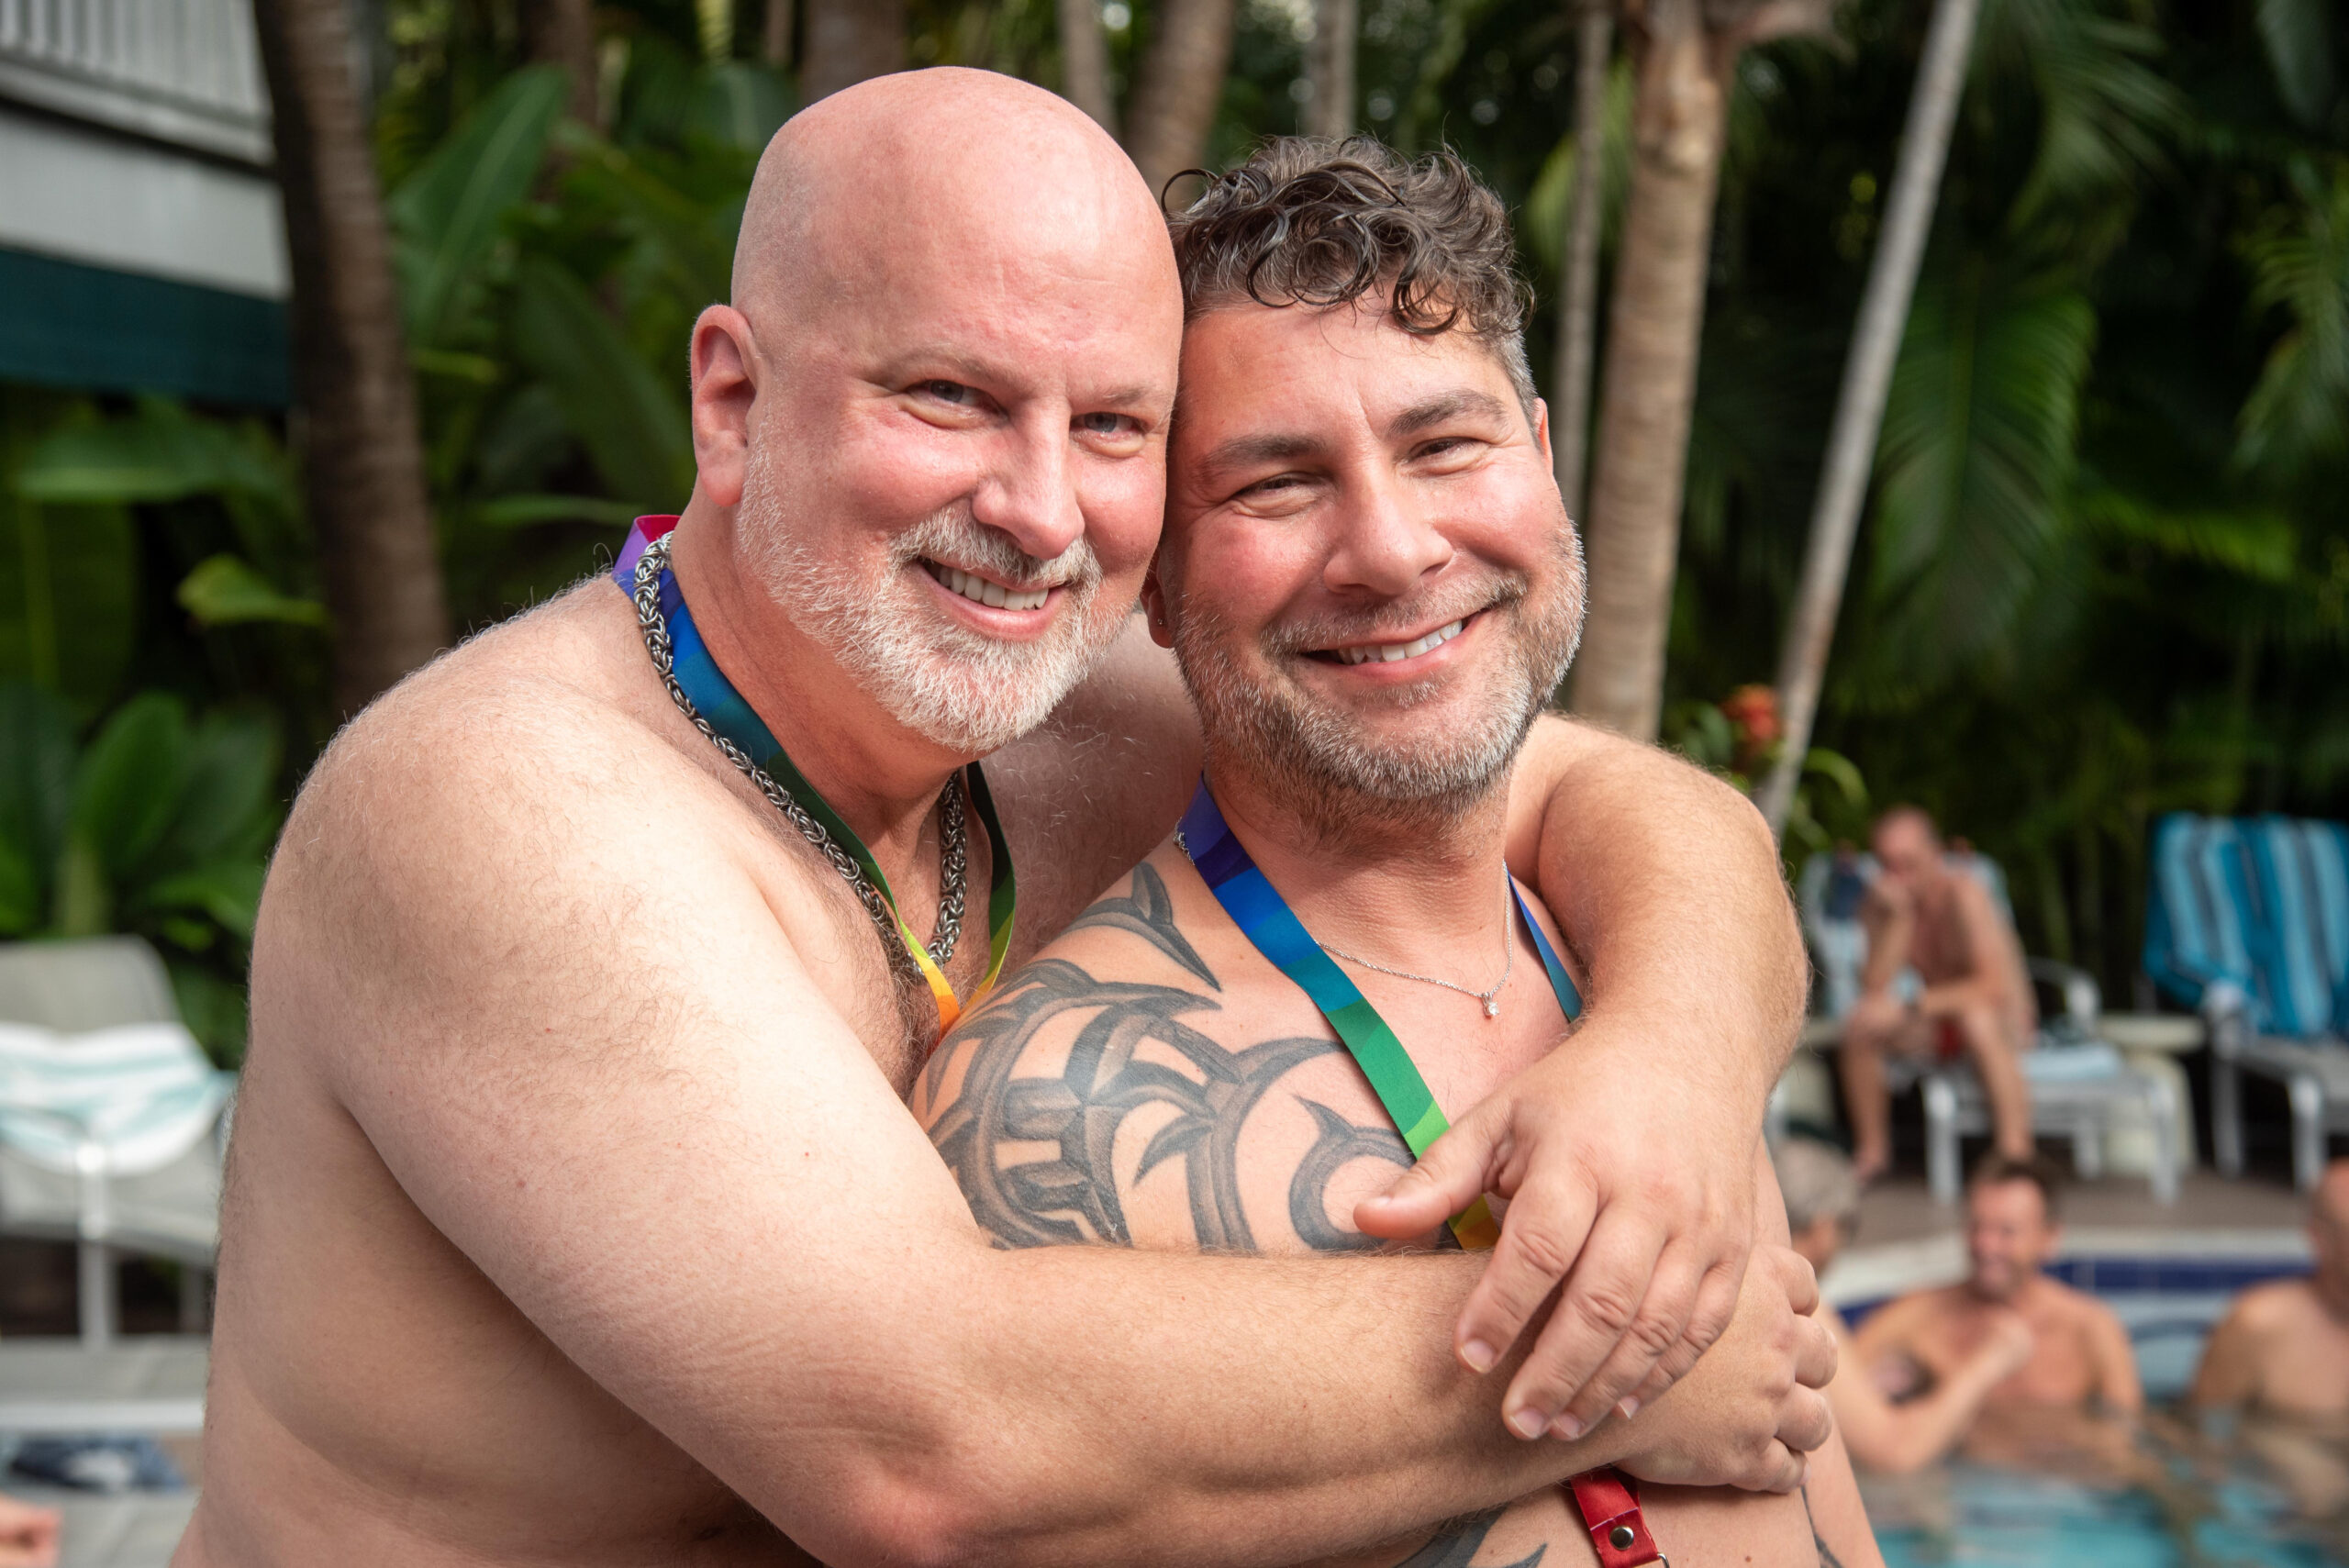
[[1087, 1406], [1899, 1438], [1667, 885]]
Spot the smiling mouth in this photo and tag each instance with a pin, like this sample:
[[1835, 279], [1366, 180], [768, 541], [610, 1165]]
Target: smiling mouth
[[1390, 653], [980, 591]]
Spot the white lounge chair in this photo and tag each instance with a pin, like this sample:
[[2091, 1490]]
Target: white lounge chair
[[2080, 1087], [75, 988]]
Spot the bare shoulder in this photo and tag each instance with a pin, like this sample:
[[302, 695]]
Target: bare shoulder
[[2086, 1310], [497, 827], [2275, 1303], [1086, 794], [1905, 1317]]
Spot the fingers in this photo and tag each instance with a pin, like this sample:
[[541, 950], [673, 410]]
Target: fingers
[[1654, 1338], [1781, 1471], [1449, 1177], [1716, 1305], [1598, 1307], [1804, 1422], [1815, 1354]]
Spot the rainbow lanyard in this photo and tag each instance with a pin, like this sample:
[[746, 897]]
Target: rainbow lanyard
[[1257, 907], [717, 700]]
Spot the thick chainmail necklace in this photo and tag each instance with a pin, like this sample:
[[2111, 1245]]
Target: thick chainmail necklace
[[952, 859]]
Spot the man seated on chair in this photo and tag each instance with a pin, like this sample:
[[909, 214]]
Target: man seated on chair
[[1371, 587], [1923, 914], [1823, 1208], [2081, 1362], [2283, 1347]]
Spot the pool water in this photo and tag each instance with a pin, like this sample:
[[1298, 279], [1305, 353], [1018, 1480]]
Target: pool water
[[2207, 1501]]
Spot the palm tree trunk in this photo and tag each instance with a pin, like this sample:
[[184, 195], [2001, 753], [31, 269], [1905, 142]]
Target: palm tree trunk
[[1084, 62], [1651, 338], [1173, 103], [363, 464], [1329, 69], [1578, 301], [563, 32], [1867, 380], [849, 40], [774, 34]]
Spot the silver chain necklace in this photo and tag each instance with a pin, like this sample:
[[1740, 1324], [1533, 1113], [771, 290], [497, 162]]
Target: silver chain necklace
[[952, 861], [1491, 999]]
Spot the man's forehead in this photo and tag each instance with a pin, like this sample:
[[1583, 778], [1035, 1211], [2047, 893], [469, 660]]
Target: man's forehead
[[1272, 382]]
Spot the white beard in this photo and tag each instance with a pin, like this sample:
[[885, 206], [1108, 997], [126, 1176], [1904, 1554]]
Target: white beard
[[966, 692]]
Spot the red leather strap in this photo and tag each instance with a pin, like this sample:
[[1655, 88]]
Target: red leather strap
[[1610, 1501]]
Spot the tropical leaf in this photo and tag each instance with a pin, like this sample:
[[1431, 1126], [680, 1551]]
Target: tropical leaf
[[36, 796], [630, 423], [1542, 230], [450, 211], [225, 591], [126, 789], [158, 453], [1976, 465], [2299, 263]]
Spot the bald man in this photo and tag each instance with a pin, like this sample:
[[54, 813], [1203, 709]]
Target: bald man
[[2283, 1347], [575, 1213]]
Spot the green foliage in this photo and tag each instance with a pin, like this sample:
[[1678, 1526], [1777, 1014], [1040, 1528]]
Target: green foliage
[[158, 825]]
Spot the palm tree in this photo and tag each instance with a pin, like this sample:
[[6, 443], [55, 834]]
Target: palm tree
[[362, 463], [1329, 69], [1578, 300], [1173, 102], [563, 32], [849, 40], [1868, 379], [1084, 62], [1687, 49]]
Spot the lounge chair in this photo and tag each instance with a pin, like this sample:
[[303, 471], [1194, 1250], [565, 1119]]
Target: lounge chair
[[76, 989], [2249, 924], [2080, 1086]]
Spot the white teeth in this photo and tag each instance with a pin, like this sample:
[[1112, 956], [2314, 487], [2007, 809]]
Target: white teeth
[[980, 591], [1386, 653]]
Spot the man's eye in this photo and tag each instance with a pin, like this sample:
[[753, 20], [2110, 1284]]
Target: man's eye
[[952, 392], [1110, 425]]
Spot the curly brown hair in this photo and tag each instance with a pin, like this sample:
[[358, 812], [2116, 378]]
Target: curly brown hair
[[1307, 220]]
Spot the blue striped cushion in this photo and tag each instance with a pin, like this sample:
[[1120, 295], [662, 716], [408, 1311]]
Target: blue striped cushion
[[2262, 904]]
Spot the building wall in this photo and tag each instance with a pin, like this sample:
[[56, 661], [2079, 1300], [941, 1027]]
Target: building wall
[[141, 242]]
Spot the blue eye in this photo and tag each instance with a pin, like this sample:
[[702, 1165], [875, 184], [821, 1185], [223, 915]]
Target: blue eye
[[1107, 424], [947, 391]]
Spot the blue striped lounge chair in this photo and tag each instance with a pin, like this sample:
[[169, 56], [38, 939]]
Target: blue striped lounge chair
[[2248, 923], [2080, 1086]]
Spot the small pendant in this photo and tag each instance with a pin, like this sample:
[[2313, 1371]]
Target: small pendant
[[1492, 1006]]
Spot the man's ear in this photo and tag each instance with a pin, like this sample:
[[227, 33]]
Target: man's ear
[[1154, 608], [725, 385], [1541, 430]]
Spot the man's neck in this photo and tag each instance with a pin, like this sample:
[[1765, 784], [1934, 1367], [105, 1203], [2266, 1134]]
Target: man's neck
[[881, 778], [1394, 886]]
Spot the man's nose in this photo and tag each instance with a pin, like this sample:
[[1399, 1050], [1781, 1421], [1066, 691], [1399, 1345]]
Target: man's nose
[[1029, 490], [1385, 544]]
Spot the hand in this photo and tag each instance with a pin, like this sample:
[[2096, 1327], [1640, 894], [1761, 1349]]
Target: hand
[[1749, 1411], [1639, 1182], [27, 1534]]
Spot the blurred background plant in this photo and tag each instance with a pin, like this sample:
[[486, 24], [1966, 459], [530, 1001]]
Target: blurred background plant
[[2103, 572]]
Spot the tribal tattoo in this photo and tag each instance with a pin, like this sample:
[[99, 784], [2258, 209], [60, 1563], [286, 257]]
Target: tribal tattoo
[[1072, 1195]]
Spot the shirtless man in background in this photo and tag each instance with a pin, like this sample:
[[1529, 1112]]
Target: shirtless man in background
[[574, 1214], [2080, 1364], [1923, 914], [1822, 1206], [1373, 588], [2283, 1347]]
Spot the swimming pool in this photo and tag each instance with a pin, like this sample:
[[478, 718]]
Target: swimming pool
[[2201, 1500]]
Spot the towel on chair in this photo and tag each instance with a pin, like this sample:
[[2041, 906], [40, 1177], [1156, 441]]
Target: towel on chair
[[143, 1093]]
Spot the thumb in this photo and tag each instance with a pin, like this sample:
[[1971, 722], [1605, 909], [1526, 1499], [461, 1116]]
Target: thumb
[[1449, 1177]]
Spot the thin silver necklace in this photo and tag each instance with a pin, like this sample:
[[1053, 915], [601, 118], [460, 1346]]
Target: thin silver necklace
[[952, 872], [1491, 999]]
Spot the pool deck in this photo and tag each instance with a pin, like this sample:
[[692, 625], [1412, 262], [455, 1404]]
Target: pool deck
[[1906, 1239]]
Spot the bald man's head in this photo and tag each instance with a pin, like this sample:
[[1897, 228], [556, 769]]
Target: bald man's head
[[984, 157], [931, 425]]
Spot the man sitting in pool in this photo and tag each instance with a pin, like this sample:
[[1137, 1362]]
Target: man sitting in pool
[[1371, 587], [2081, 1361], [2283, 1348]]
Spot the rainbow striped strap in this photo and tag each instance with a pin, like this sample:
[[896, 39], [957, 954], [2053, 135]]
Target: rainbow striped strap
[[731, 716], [1256, 906]]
